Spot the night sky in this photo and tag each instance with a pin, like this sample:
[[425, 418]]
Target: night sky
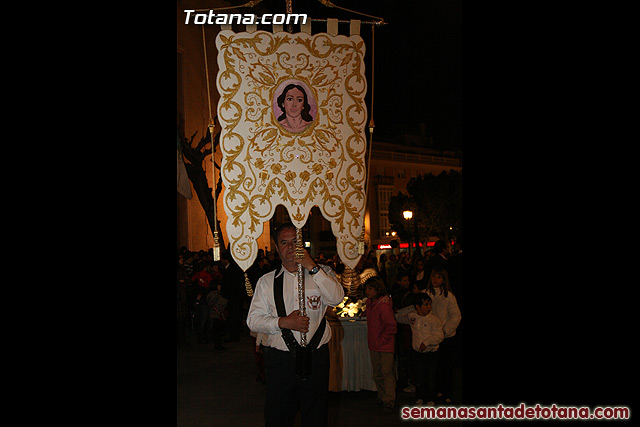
[[418, 63]]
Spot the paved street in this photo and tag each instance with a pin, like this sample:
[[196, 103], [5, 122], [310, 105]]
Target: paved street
[[219, 388]]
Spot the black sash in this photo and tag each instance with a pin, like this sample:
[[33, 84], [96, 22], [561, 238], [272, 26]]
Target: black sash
[[302, 355]]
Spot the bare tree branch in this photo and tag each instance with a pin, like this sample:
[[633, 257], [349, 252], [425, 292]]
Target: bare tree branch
[[198, 177]]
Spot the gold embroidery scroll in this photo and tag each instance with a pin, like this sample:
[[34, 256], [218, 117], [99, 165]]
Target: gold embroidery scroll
[[293, 116]]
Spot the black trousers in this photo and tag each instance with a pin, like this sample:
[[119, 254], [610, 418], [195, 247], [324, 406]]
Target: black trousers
[[286, 393], [425, 368], [446, 360]]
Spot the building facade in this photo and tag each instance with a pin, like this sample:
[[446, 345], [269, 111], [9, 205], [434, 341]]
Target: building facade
[[391, 168]]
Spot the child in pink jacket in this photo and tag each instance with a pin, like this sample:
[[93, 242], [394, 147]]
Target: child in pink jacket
[[381, 331]]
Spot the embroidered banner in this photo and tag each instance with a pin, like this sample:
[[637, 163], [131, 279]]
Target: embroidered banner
[[293, 116]]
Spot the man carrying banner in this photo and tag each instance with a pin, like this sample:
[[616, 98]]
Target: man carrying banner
[[296, 376]]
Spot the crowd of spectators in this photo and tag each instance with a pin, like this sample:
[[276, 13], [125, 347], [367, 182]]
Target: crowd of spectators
[[213, 303]]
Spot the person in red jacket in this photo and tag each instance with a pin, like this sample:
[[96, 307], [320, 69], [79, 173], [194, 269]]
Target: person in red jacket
[[201, 280], [381, 331]]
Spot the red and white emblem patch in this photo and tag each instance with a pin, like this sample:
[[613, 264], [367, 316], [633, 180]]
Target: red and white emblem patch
[[313, 302]]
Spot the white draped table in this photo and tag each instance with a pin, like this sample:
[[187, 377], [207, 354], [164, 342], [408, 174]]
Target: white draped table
[[350, 368]]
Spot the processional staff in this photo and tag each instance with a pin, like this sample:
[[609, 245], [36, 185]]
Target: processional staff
[[301, 297]]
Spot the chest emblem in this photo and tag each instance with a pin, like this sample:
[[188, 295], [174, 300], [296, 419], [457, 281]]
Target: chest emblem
[[313, 302]]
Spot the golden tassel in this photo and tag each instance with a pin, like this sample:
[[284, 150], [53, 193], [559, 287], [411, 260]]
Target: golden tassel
[[216, 247], [361, 243], [247, 285]]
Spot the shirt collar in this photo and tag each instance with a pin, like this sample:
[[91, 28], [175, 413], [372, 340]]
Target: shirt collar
[[282, 269]]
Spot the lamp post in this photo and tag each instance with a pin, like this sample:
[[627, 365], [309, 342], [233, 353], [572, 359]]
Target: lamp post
[[408, 215]]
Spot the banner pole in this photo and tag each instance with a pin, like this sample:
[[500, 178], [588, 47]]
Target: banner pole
[[301, 297]]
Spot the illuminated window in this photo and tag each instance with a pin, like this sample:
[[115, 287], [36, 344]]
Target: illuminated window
[[384, 195]]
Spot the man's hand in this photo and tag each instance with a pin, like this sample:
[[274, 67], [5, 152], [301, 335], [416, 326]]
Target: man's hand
[[306, 261], [295, 322]]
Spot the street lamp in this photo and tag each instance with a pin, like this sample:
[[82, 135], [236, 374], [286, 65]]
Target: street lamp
[[408, 215]]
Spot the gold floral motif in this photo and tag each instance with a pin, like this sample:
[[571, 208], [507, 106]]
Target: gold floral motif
[[264, 164], [290, 176]]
